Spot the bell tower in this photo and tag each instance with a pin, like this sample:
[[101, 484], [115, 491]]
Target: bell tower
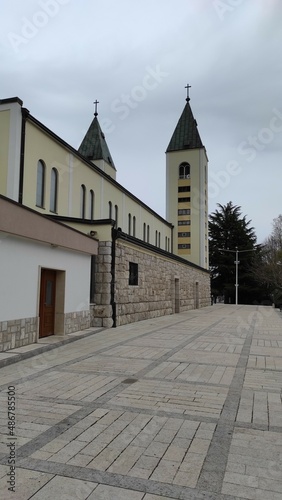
[[94, 147], [187, 189]]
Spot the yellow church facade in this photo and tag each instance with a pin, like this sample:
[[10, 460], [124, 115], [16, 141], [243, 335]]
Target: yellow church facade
[[143, 265], [53, 178]]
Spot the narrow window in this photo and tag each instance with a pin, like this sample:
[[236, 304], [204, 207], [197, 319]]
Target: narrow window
[[159, 240], [116, 215], [134, 226], [184, 235], [40, 184], [184, 171], [184, 222], [129, 224], [183, 189], [82, 201], [133, 274], [91, 204], [184, 200], [184, 211], [156, 240], [166, 243], [148, 234], [54, 190], [144, 231], [184, 246], [110, 209]]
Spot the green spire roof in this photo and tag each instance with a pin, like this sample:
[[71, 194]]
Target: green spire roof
[[186, 135], [94, 146]]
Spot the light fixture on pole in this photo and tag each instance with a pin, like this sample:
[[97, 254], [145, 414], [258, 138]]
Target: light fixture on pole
[[236, 262]]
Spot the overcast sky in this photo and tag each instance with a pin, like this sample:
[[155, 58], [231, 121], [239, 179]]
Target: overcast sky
[[136, 57]]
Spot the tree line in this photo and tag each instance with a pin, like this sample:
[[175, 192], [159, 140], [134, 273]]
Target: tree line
[[259, 267]]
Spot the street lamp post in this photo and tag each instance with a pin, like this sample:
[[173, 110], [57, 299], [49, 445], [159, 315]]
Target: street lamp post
[[236, 262]]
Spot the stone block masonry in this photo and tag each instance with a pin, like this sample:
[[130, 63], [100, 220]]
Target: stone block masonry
[[75, 321], [17, 333], [166, 285], [101, 310]]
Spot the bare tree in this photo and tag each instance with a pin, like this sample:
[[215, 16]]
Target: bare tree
[[268, 268]]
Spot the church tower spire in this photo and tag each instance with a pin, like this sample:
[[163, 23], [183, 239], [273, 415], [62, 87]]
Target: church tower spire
[[187, 189], [94, 146]]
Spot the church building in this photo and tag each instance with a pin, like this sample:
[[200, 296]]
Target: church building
[[87, 247]]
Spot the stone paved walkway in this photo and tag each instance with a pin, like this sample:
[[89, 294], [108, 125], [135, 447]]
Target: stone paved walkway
[[179, 407]]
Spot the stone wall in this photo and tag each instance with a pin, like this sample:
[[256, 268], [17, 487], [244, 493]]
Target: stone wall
[[165, 284], [101, 310], [17, 333], [76, 321], [21, 332]]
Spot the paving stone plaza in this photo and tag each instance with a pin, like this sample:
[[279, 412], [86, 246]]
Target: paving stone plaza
[[186, 406]]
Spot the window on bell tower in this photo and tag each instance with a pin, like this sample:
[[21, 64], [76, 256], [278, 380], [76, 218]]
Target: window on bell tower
[[184, 171]]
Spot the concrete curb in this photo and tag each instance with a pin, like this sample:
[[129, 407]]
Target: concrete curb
[[43, 348]]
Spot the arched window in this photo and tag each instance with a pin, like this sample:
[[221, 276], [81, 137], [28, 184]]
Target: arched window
[[144, 231], [40, 186], [91, 204], [54, 190], [134, 226], [148, 234], [82, 201], [116, 215], [129, 224], [184, 171], [110, 209]]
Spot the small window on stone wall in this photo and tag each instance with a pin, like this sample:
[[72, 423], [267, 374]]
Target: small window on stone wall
[[133, 273]]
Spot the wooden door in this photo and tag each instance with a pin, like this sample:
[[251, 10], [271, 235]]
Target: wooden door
[[47, 303]]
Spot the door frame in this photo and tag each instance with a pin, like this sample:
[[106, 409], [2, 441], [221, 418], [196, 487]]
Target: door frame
[[176, 295], [59, 313], [196, 295]]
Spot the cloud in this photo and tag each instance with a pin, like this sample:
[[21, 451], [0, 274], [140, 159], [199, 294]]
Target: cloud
[[103, 50]]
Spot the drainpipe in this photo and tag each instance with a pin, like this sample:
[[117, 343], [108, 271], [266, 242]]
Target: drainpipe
[[25, 114], [113, 273]]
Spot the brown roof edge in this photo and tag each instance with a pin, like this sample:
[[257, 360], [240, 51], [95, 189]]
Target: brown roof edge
[[10, 100], [17, 220]]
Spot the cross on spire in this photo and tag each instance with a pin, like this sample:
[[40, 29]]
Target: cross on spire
[[96, 107], [188, 87]]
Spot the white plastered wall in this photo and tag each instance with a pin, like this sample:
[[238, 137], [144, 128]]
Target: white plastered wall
[[20, 266]]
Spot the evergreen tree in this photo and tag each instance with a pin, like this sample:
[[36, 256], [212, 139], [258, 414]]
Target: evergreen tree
[[229, 230]]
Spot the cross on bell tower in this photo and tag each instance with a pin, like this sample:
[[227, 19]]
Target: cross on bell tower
[[188, 87], [96, 107]]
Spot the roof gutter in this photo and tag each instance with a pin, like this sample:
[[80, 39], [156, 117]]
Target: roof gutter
[[25, 114], [113, 276]]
